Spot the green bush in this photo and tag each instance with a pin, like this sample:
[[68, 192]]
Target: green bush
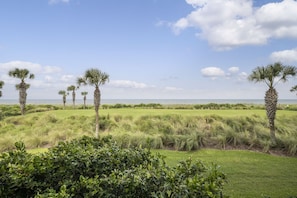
[[90, 167]]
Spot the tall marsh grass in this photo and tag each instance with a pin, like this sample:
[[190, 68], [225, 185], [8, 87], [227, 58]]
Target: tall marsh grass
[[164, 131]]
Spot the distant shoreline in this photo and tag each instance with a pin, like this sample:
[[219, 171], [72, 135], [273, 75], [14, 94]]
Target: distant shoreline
[[148, 101]]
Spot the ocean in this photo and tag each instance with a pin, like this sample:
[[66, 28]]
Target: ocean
[[147, 101]]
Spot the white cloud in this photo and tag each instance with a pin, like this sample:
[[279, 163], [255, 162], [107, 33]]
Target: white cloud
[[226, 24], [32, 67], [233, 70], [128, 84], [232, 74], [58, 1], [212, 72], [51, 69], [46, 77], [285, 56], [173, 89], [242, 77], [278, 19], [67, 78]]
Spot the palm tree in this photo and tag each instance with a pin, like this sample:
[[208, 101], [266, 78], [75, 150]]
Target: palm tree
[[1, 85], [72, 88], [64, 94], [84, 93], [95, 77], [22, 87], [272, 74], [294, 88]]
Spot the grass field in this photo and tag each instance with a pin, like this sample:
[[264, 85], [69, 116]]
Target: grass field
[[250, 174]]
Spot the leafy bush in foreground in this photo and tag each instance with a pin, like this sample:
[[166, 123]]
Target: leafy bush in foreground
[[90, 167]]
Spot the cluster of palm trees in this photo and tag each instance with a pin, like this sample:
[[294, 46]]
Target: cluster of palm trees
[[93, 77], [271, 75], [72, 88]]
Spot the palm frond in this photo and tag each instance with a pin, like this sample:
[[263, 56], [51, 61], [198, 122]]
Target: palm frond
[[293, 88], [288, 71], [71, 88]]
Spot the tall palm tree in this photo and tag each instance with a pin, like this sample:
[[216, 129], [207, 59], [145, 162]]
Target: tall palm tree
[[22, 87], [1, 85], [95, 77], [72, 88], [84, 93], [294, 88], [64, 94], [272, 74]]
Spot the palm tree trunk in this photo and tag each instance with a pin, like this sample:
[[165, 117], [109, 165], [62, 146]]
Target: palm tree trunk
[[271, 107], [73, 99], [64, 101], [97, 97], [85, 98], [22, 97]]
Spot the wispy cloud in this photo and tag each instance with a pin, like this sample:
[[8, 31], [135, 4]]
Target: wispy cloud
[[173, 89], [128, 84], [226, 24], [32, 67], [216, 72], [51, 2], [286, 56], [212, 72], [43, 74]]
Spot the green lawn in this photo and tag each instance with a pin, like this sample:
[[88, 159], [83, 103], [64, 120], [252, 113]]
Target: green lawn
[[249, 174]]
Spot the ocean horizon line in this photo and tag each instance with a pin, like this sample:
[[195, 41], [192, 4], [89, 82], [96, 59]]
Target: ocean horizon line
[[147, 101]]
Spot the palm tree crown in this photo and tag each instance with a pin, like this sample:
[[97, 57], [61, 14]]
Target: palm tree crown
[[272, 74], [21, 74], [94, 77], [293, 88]]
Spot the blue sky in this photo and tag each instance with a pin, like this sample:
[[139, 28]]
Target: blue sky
[[152, 49]]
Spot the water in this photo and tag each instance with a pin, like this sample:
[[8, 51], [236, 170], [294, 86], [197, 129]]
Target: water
[[147, 101]]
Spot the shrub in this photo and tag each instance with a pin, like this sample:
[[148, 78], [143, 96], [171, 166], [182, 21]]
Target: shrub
[[89, 167]]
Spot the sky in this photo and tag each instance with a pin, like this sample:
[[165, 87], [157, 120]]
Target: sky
[[151, 49]]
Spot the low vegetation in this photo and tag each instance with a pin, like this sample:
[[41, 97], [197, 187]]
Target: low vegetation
[[168, 128], [174, 128], [90, 167]]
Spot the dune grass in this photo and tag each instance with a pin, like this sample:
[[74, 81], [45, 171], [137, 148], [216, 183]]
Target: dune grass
[[179, 129]]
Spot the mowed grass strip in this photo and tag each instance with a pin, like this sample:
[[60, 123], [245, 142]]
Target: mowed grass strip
[[250, 174]]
